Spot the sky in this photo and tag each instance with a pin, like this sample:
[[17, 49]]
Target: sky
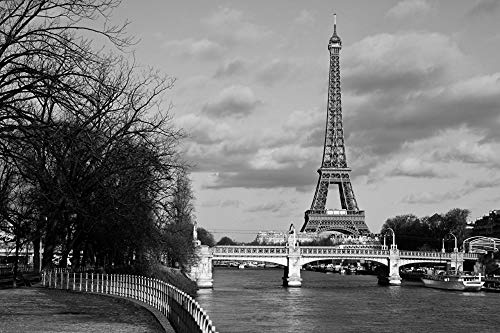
[[420, 99]]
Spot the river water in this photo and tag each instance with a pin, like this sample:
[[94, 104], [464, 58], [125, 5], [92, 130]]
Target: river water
[[253, 300]]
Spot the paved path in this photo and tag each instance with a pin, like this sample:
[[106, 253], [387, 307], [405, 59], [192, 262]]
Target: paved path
[[42, 310]]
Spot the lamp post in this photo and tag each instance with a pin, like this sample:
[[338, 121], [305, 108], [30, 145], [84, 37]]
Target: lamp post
[[455, 249], [393, 246], [384, 247]]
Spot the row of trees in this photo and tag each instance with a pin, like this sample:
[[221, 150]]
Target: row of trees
[[427, 233], [89, 160]]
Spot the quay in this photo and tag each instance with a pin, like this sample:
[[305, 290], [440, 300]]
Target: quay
[[46, 310]]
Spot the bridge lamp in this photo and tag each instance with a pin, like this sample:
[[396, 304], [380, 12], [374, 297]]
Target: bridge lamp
[[393, 246], [455, 249]]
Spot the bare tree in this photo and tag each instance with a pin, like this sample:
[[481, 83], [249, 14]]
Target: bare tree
[[87, 132]]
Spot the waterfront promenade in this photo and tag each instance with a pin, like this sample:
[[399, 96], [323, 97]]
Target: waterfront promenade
[[43, 310]]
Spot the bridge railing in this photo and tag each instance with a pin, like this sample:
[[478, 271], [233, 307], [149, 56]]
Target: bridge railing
[[425, 254], [182, 311], [326, 250], [263, 250]]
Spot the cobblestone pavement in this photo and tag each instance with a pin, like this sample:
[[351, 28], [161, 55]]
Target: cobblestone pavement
[[41, 310]]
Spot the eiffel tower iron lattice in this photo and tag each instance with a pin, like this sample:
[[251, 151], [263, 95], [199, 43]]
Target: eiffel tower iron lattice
[[334, 169]]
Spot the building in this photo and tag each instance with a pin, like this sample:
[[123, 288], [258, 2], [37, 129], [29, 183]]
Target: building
[[488, 225]]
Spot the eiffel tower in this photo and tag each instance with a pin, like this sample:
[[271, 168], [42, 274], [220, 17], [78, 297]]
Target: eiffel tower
[[334, 168]]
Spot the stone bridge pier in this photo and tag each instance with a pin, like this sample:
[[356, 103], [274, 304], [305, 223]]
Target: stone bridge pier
[[291, 276], [394, 263], [201, 270]]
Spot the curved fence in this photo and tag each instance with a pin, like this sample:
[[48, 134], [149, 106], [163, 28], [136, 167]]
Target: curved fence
[[182, 311]]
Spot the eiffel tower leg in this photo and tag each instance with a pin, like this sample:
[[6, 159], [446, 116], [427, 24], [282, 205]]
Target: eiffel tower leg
[[321, 194], [343, 201], [350, 199]]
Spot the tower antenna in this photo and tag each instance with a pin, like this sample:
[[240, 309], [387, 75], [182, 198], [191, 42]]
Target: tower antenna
[[334, 23]]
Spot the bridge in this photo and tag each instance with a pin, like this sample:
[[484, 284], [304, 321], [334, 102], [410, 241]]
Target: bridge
[[292, 257]]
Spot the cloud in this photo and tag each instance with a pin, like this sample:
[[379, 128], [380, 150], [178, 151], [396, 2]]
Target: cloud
[[413, 167], [430, 197], [205, 130], [199, 49], [271, 157], [298, 178], [231, 68], [484, 7], [305, 17], [273, 207], [408, 9], [470, 149], [422, 92], [275, 71], [221, 203], [400, 62], [263, 70], [434, 157], [233, 27], [233, 101], [469, 187]]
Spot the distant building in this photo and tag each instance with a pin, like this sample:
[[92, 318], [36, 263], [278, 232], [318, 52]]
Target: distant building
[[280, 238], [488, 225]]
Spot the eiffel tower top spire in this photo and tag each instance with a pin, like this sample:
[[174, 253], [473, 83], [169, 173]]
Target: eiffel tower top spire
[[335, 41]]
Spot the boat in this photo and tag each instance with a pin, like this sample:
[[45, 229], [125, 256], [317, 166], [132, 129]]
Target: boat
[[241, 266], [412, 274], [492, 285], [451, 280]]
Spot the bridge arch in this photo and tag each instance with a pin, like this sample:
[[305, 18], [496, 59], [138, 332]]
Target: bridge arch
[[271, 260], [309, 260]]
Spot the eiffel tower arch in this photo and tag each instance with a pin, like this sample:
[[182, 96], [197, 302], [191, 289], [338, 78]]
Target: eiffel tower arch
[[334, 170]]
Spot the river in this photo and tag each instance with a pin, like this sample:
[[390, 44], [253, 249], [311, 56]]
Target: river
[[253, 300]]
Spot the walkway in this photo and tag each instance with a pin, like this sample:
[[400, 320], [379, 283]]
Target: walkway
[[42, 310]]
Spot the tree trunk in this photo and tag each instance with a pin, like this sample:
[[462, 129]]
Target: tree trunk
[[16, 262], [36, 255]]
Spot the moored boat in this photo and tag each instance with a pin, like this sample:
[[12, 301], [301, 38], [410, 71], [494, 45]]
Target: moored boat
[[453, 281], [492, 285]]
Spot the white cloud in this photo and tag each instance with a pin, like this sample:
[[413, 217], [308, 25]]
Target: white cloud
[[231, 68], [401, 62], [305, 17], [200, 49], [276, 70], [415, 167], [233, 101], [233, 27], [408, 8], [205, 130]]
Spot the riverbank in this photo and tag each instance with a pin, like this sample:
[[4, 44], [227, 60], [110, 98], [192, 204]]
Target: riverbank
[[43, 310]]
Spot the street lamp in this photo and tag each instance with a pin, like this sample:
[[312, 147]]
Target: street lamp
[[455, 249], [393, 246]]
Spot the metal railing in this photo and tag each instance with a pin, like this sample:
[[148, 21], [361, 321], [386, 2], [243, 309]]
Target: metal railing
[[182, 311], [260, 250], [327, 250]]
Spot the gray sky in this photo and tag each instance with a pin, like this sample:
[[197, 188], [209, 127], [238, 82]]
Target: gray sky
[[421, 103]]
